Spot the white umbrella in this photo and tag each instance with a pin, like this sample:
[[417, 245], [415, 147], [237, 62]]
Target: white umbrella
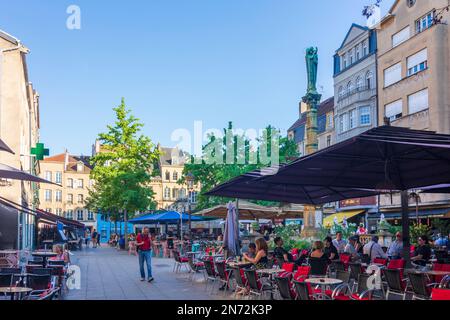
[[7, 172]]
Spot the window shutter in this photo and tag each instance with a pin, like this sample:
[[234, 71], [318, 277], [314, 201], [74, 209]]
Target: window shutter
[[394, 109], [393, 74], [418, 58], [418, 101], [400, 37]]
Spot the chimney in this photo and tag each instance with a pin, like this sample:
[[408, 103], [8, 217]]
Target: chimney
[[66, 160]]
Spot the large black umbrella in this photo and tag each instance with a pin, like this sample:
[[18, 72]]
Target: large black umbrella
[[380, 160], [7, 172], [4, 147], [441, 188]]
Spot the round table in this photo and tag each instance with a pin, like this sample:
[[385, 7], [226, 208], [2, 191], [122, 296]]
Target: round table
[[44, 255], [15, 290], [323, 282]]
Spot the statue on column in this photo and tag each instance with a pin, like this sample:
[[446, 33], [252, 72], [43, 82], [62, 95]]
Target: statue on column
[[312, 62]]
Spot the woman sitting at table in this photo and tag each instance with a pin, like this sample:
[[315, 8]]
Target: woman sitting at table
[[62, 255], [260, 260], [318, 260]]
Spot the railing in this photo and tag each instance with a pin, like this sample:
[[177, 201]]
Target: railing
[[355, 91]]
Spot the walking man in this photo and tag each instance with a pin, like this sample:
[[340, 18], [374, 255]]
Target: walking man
[[94, 239], [144, 247]]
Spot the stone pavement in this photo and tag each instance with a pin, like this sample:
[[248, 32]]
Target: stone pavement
[[109, 274]]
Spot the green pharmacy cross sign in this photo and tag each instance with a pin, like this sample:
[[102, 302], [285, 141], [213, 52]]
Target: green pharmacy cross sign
[[40, 151]]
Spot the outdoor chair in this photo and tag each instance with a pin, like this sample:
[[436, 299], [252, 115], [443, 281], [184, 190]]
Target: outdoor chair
[[445, 283], [346, 259], [421, 286], [355, 270], [362, 293], [10, 270], [440, 294], [195, 265], [270, 263], [285, 288], [211, 274], [38, 282], [49, 294], [303, 290], [224, 275], [179, 262], [302, 273], [288, 267], [240, 280], [380, 261], [257, 288], [42, 271], [440, 267], [344, 276], [335, 266], [395, 284], [318, 267], [56, 263]]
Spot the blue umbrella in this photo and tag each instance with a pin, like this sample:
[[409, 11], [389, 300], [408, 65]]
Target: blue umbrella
[[231, 236], [165, 217]]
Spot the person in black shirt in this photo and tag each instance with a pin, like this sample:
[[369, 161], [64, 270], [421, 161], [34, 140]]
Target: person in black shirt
[[423, 252], [330, 250], [280, 253]]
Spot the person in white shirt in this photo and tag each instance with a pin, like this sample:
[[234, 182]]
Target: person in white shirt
[[396, 248], [350, 248], [374, 250], [339, 243]]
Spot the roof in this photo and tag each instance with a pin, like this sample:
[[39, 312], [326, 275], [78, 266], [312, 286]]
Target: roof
[[9, 37], [168, 155], [354, 25], [323, 108], [72, 161]]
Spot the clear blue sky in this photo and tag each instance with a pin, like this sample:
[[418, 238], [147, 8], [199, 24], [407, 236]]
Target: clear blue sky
[[175, 61]]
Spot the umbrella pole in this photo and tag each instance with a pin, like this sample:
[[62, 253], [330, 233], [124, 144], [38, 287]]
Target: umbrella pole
[[405, 228], [238, 251]]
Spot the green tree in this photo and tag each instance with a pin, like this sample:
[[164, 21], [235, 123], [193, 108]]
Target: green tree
[[122, 170], [232, 155]]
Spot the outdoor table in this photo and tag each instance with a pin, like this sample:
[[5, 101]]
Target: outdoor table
[[270, 273], [44, 255], [379, 265], [323, 283], [428, 272], [240, 264], [46, 243], [15, 290]]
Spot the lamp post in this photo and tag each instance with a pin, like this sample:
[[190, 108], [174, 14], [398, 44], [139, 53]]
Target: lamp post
[[190, 184]]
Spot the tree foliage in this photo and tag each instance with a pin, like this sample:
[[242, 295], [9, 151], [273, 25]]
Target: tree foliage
[[122, 169], [233, 154]]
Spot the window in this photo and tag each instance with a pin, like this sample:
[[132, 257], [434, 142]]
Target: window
[[349, 87], [58, 196], [80, 215], [80, 183], [58, 177], [358, 52], [344, 61], [425, 22], [48, 175], [174, 193], [369, 79], [49, 210], [364, 115], [393, 74], [70, 183], [167, 175], [359, 83], [48, 195], [343, 122], [394, 110], [365, 49], [90, 216], [400, 37], [175, 176], [59, 212], [193, 196], [341, 92], [183, 193], [330, 121], [350, 54], [417, 62], [328, 141], [352, 119], [80, 167], [167, 193], [80, 199], [70, 198], [418, 101], [69, 214]]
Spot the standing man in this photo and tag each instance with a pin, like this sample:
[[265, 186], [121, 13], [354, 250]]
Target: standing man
[[144, 247], [94, 239]]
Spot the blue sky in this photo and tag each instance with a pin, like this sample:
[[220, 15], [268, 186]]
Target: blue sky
[[175, 61]]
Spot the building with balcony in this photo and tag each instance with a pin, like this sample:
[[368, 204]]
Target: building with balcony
[[69, 199], [413, 79], [19, 129], [355, 85]]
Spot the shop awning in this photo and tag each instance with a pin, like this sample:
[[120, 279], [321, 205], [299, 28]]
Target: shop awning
[[328, 221], [424, 213]]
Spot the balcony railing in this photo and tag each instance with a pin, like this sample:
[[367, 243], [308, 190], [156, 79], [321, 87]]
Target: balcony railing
[[350, 93]]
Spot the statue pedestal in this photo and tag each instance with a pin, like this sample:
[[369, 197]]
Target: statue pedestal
[[310, 232]]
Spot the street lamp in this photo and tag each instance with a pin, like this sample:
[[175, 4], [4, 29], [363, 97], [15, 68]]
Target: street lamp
[[190, 178]]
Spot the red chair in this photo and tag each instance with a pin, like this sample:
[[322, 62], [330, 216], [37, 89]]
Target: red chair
[[380, 261], [288, 267], [440, 294], [398, 264], [362, 293], [302, 272], [346, 259], [440, 267]]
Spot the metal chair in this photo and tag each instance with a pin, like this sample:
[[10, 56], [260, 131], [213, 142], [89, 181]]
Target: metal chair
[[395, 284], [257, 288], [38, 282], [302, 290], [421, 286], [224, 275], [196, 266], [285, 288], [179, 262], [240, 280], [211, 274], [363, 292], [319, 267], [445, 283]]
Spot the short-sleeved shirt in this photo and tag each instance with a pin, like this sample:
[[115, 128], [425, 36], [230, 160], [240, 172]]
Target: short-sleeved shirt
[[424, 251], [147, 242], [279, 253], [329, 250]]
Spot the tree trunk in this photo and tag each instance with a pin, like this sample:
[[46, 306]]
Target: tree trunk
[[125, 227], [405, 228]]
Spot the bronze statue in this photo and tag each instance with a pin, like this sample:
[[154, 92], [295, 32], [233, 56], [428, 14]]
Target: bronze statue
[[312, 61]]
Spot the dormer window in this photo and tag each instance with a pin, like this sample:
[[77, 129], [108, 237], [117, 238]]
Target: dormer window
[[80, 167]]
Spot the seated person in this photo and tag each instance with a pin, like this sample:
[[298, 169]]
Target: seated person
[[373, 250], [351, 248], [62, 255], [251, 250], [330, 250], [318, 260], [280, 253], [260, 260], [422, 253]]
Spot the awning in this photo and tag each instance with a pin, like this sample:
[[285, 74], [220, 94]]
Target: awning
[[424, 213], [328, 221]]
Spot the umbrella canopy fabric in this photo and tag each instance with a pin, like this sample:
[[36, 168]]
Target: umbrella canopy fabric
[[252, 211], [7, 172], [441, 188], [4, 147], [231, 236], [165, 217], [379, 160]]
